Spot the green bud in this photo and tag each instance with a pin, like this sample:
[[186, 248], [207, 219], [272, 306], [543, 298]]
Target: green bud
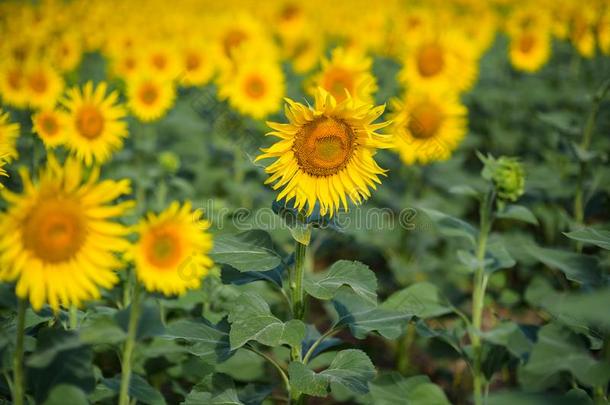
[[507, 175], [169, 161]]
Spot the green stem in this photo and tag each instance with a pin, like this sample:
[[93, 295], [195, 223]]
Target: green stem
[[132, 330], [73, 317], [274, 363], [298, 306], [478, 296], [330, 333], [18, 377]]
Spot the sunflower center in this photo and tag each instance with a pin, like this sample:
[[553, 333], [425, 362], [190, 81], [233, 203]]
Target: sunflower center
[[430, 60], [54, 230], [290, 12], [159, 61], [337, 80], [89, 122], [526, 43], [162, 248], [324, 147], [425, 121], [193, 61], [149, 94], [49, 125], [14, 79], [232, 40], [38, 82], [255, 86]]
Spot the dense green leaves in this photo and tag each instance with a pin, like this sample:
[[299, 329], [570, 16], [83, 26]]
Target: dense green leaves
[[577, 267], [217, 389], [208, 342], [139, 389], [353, 274], [593, 236], [392, 389], [518, 213], [350, 369], [451, 226], [247, 251], [423, 300]]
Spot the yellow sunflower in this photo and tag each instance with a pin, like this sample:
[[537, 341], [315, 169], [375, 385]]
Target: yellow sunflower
[[43, 85], [253, 88], [50, 125], [66, 51], [162, 60], [149, 97], [171, 255], [325, 153], [198, 65], [9, 132], [12, 84], [58, 237], [428, 125], [96, 127], [346, 71], [530, 49]]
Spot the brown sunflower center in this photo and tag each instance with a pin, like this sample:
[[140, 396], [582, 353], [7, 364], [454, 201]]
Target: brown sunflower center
[[14, 79], [159, 61], [425, 120], [526, 43], [193, 61], [89, 122], [55, 230], [430, 60], [149, 94], [38, 82], [324, 147], [337, 80], [49, 125], [255, 86], [162, 248], [232, 40]]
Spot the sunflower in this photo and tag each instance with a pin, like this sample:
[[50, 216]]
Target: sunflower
[[96, 127], [12, 84], [50, 125], [162, 60], [58, 237], [325, 153], [346, 71], [66, 51], [171, 254], [428, 125], [8, 137], [198, 65], [530, 50], [253, 88], [149, 98], [43, 85]]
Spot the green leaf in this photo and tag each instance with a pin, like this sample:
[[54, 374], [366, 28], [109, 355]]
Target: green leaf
[[101, 329], [497, 257], [511, 336], [577, 267], [139, 389], [392, 389], [573, 397], [217, 389], [465, 191], [251, 319], [451, 226], [559, 349], [66, 394], [206, 341], [350, 369], [248, 251], [423, 300], [518, 213], [593, 236], [363, 317], [149, 323], [343, 273]]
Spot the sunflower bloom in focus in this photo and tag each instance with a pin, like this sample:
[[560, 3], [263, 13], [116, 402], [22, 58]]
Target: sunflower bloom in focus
[[171, 255], [59, 235], [96, 127], [325, 153]]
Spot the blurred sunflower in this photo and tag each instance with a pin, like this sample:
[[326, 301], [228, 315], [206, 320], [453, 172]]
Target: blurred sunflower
[[162, 60], [12, 84], [347, 70], [171, 255], [325, 153], [582, 30], [530, 50], [198, 65], [50, 125], [66, 51], [43, 85], [253, 88], [9, 132], [428, 125], [149, 98], [96, 127], [58, 237]]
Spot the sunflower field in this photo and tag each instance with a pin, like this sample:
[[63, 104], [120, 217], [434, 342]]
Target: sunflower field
[[284, 202]]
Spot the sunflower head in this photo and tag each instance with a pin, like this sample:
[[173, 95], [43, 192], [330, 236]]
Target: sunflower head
[[8, 137], [50, 125], [171, 255], [324, 155], [507, 176], [59, 235], [149, 97]]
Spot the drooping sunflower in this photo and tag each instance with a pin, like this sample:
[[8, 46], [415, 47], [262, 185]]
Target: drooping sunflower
[[8, 137], [530, 49], [253, 88], [149, 98], [95, 127], [347, 70], [428, 125], [43, 85], [171, 255], [58, 238], [325, 154], [51, 125]]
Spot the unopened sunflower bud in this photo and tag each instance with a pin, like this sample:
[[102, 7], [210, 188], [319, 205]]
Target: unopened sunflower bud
[[169, 161], [507, 175]]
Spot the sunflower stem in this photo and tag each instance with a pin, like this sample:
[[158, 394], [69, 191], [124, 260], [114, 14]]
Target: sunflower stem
[[134, 315], [18, 377]]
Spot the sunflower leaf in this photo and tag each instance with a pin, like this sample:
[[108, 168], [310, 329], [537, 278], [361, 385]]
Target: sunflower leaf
[[247, 251], [343, 273]]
